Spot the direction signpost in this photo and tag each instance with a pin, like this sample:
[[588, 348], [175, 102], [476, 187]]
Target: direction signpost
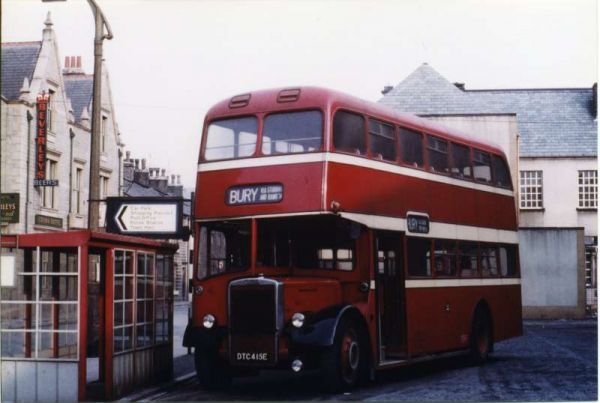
[[146, 216]]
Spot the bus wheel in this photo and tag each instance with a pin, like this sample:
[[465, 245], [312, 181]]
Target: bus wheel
[[481, 336], [342, 363], [213, 373]]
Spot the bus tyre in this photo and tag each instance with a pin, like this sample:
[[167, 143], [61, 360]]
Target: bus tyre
[[342, 363], [213, 372], [481, 336]]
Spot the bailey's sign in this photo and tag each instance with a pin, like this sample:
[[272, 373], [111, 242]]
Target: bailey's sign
[[41, 143], [9, 208], [254, 194]]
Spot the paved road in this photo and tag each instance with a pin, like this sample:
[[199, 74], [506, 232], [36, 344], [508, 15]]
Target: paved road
[[553, 361]]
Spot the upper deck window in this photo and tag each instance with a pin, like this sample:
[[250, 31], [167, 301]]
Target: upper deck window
[[411, 146], [438, 154], [461, 161], [501, 174], [349, 133], [292, 132], [231, 138], [381, 140], [482, 166]]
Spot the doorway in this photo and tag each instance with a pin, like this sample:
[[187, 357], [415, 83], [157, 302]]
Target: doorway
[[391, 306]]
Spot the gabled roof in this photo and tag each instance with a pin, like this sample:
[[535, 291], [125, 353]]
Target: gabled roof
[[552, 122], [79, 88], [135, 189], [18, 62]]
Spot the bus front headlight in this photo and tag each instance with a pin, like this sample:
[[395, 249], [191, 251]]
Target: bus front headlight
[[208, 321], [298, 320]]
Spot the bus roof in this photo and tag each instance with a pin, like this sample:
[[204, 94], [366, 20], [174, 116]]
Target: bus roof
[[263, 101]]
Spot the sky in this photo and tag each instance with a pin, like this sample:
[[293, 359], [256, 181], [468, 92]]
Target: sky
[[171, 60]]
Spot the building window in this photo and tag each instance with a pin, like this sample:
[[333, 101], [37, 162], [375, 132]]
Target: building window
[[103, 134], [531, 190], [103, 187], [50, 112], [77, 190], [49, 192], [588, 189]]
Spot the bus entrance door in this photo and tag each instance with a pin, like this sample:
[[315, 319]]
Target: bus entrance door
[[390, 296]]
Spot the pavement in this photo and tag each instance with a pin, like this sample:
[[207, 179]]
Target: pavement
[[553, 361]]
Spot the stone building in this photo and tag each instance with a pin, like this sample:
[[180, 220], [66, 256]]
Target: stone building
[[550, 138], [30, 69], [139, 180]]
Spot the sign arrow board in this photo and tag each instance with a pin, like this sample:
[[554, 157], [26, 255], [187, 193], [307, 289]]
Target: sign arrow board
[[136, 218], [151, 217]]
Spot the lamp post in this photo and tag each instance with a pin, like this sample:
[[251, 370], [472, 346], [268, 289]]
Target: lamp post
[[100, 35]]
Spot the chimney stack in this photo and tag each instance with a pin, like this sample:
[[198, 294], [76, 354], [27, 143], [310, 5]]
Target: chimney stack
[[143, 164], [73, 65], [386, 89]]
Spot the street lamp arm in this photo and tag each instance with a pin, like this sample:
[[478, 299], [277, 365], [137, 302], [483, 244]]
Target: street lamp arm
[[97, 9]]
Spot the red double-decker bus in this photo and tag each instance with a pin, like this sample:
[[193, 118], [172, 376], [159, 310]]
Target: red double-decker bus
[[338, 234]]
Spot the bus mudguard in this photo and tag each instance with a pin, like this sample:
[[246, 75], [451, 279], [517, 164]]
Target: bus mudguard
[[202, 338], [320, 327]]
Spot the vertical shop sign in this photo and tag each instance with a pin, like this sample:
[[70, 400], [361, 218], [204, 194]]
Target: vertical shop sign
[[41, 142]]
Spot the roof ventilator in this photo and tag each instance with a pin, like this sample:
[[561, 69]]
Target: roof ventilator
[[288, 95], [239, 101]]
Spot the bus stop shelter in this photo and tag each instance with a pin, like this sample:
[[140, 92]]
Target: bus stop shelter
[[84, 315]]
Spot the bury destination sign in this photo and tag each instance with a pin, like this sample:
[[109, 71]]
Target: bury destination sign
[[254, 194]]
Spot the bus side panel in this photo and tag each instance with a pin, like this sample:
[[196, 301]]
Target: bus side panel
[[432, 328], [370, 191], [302, 190]]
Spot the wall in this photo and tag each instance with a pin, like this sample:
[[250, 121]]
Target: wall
[[552, 272], [560, 194]]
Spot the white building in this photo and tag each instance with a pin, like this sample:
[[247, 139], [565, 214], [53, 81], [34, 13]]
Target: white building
[[550, 138], [28, 70]]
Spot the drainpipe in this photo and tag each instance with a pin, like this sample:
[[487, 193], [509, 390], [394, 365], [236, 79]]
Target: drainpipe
[[27, 184], [71, 136]]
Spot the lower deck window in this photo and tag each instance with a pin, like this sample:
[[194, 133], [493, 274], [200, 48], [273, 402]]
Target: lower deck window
[[419, 257], [307, 243], [224, 247]]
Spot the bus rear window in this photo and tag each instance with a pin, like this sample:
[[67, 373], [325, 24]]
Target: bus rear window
[[293, 132], [231, 138], [349, 133]]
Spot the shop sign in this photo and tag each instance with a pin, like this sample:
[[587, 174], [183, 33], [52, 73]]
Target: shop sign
[[41, 143], [48, 221], [9, 208]]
